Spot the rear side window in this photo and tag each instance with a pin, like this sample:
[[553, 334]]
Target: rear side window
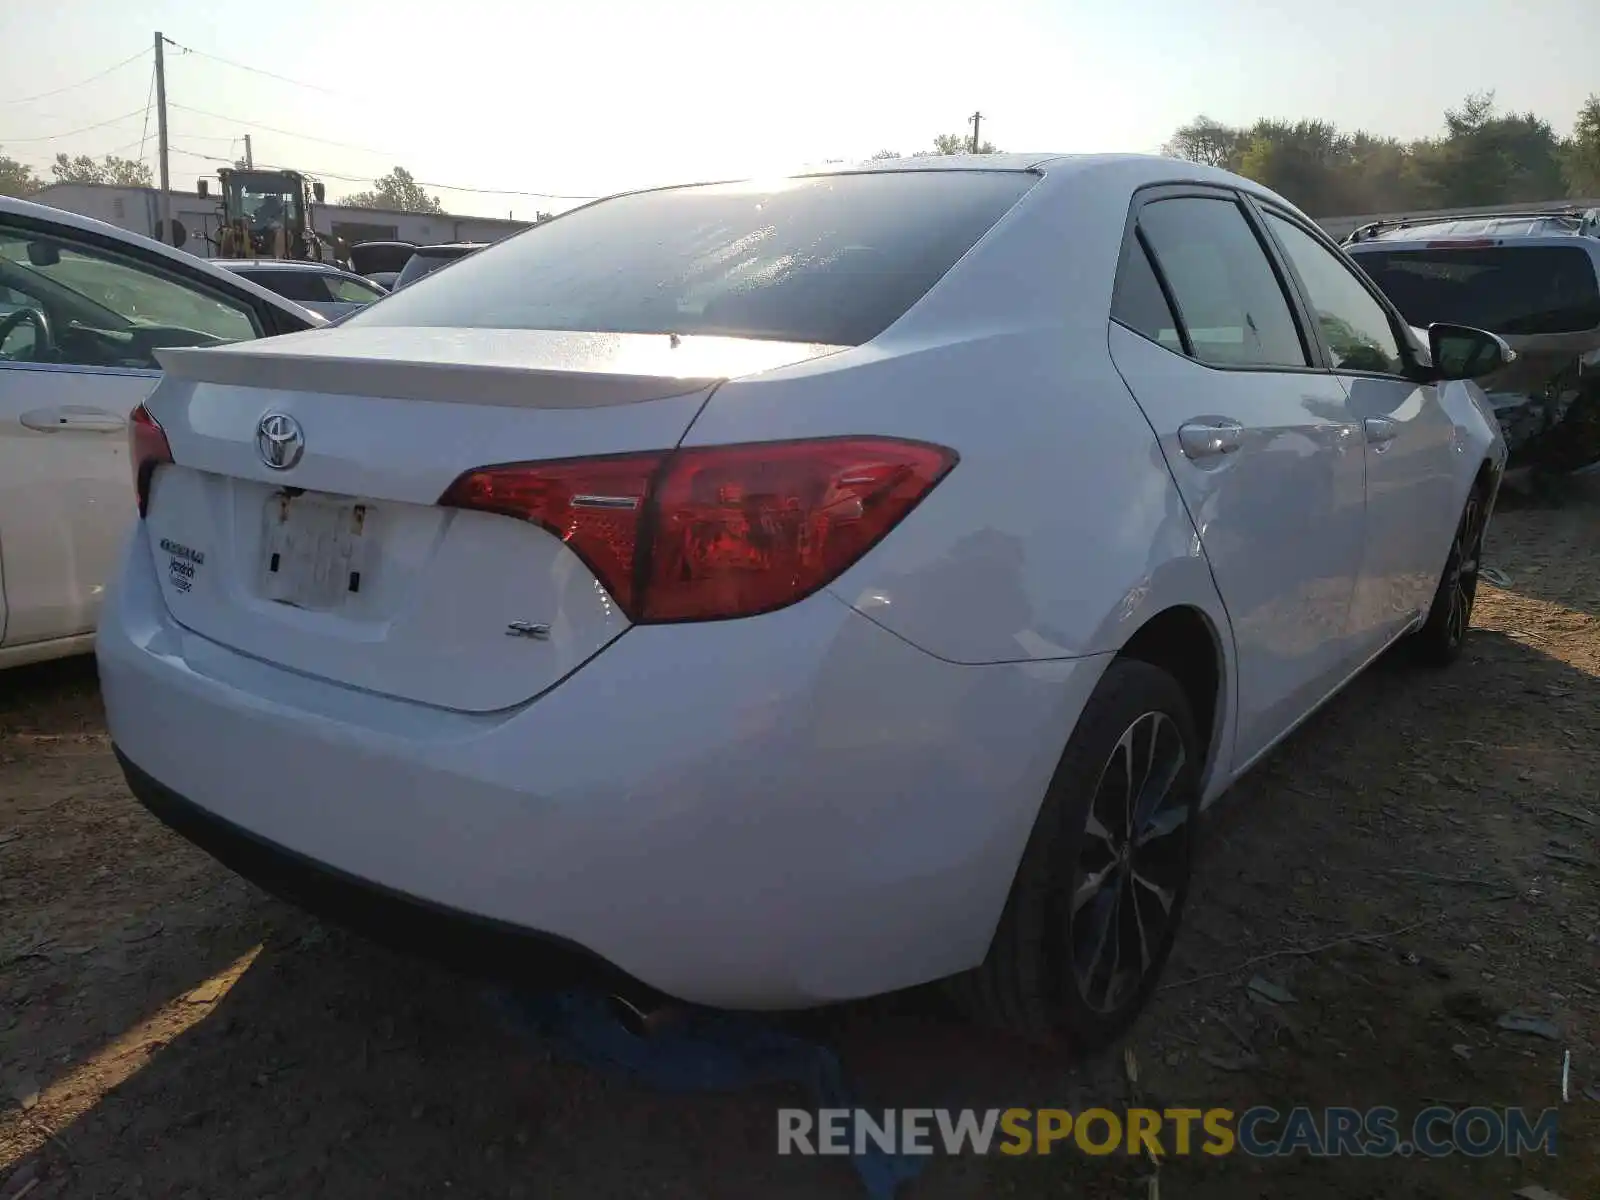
[[1229, 298], [1507, 289], [1139, 302], [831, 259]]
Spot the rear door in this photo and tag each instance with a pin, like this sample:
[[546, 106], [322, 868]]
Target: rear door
[[1259, 438], [1411, 442], [65, 393]]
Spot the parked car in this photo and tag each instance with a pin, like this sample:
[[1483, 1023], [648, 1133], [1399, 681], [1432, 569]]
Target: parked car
[[1533, 278], [381, 262], [794, 592], [427, 259], [84, 307], [321, 287]]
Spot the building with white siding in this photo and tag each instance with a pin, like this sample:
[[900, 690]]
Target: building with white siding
[[138, 210]]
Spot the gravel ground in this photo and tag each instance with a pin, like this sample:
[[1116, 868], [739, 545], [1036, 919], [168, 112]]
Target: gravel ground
[[1417, 862]]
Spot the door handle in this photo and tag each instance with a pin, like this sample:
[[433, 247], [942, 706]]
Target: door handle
[[1380, 431], [73, 419], [1210, 437]]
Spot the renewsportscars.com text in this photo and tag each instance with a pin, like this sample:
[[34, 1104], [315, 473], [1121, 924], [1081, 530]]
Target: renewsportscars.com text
[[1258, 1132]]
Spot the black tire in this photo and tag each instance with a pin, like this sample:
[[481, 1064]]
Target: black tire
[[1444, 634], [1030, 984]]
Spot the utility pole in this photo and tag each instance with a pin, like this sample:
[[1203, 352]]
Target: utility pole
[[161, 136], [249, 154], [975, 118]]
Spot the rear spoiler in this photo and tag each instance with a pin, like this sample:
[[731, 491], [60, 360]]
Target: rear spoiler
[[498, 367]]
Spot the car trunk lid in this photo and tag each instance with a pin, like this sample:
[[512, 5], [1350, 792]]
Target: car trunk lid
[[340, 564]]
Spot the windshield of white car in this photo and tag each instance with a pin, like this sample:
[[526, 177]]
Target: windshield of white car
[[117, 296], [831, 259], [32, 281], [1516, 290]]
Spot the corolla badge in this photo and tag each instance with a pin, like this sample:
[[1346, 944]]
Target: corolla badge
[[280, 441]]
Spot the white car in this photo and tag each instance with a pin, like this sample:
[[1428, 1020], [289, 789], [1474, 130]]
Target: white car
[[84, 307], [791, 592], [322, 287]]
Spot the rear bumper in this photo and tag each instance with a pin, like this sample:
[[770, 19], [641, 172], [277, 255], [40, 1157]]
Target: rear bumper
[[776, 812], [493, 949]]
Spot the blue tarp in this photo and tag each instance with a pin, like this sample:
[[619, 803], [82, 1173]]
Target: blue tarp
[[705, 1051]]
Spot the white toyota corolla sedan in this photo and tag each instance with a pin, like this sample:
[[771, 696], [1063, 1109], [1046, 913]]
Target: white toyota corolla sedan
[[785, 592]]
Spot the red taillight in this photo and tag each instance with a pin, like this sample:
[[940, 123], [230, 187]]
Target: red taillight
[[595, 505], [716, 531], [147, 449]]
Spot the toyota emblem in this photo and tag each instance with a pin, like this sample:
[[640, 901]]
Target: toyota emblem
[[280, 441]]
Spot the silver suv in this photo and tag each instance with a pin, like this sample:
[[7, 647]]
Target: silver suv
[[1533, 278], [425, 260]]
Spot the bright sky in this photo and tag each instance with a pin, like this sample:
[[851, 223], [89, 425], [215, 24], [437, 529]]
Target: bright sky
[[593, 96]]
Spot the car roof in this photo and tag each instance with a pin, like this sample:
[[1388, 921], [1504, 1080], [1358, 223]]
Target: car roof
[[1128, 170], [450, 248], [1513, 228], [12, 206], [277, 264]]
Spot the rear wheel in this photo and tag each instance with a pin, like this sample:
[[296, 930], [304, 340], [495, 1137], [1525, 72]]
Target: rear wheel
[[1095, 903], [1440, 640]]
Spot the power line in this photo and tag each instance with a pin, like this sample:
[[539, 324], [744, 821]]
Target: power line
[[149, 101], [482, 191], [128, 146], [50, 137], [50, 162], [231, 139], [351, 146], [282, 132], [238, 66], [368, 180], [69, 87]]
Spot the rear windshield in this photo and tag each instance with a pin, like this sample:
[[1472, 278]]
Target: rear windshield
[[425, 262], [1504, 289], [302, 286], [832, 259]]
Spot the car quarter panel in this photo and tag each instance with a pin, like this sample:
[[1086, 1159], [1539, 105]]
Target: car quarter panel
[[923, 783], [1059, 532]]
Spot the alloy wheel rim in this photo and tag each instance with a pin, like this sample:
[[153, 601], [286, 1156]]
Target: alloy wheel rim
[[1131, 863]]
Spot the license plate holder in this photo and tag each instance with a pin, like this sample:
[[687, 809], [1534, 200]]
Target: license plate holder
[[313, 550]]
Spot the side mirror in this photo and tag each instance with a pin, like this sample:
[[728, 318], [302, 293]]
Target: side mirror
[[1462, 352], [320, 191], [43, 253], [204, 188]]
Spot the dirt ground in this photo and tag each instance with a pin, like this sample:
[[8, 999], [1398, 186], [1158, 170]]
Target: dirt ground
[[1420, 860]]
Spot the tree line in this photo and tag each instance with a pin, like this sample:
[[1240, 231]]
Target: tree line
[[18, 179], [1481, 157]]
